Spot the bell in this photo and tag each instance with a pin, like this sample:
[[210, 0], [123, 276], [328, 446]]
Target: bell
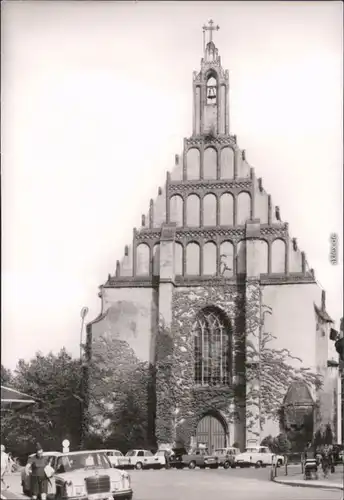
[[212, 93]]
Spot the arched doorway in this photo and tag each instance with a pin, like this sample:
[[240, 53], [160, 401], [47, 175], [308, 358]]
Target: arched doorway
[[211, 431]]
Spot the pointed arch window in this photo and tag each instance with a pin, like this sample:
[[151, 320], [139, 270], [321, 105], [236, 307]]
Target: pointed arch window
[[211, 90], [212, 349]]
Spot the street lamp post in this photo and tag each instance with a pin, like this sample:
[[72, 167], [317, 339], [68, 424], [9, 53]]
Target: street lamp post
[[83, 314]]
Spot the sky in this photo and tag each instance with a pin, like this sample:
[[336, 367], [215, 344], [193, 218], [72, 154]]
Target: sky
[[96, 101]]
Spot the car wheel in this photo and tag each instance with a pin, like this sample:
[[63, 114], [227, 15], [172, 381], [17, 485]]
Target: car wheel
[[138, 466], [192, 464], [259, 464], [226, 465]]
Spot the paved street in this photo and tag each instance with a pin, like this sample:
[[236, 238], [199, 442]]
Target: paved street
[[240, 484]]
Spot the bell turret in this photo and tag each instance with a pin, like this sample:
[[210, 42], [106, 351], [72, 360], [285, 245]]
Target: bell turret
[[211, 91]]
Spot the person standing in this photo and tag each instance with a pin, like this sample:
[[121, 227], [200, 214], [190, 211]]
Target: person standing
[[39, 479], [4, 467]]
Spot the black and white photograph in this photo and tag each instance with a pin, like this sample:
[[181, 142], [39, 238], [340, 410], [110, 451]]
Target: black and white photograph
[[172, 250]]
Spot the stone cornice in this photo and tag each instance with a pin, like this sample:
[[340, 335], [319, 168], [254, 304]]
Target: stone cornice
[[181, 281], [215, 233], [201, 186], [219, 140]]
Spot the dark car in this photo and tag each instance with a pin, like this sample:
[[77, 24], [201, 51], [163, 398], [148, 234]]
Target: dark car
[[176, 457]]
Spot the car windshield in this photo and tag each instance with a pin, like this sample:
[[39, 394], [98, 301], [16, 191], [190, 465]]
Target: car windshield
[[30, 459], [130, 453], [82, 461], [220, 451]]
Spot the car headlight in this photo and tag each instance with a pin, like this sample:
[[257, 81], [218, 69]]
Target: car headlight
[[79, 490], [68, 486], [126, 477]]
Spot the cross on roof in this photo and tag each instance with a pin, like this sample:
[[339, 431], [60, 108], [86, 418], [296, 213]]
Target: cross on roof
[[211, 28]]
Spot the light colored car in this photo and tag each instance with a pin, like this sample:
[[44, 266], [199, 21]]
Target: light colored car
[[161, 457], [26, 477], [259, 456], [114, 457], [226, 456], [88, 475], [140, 459]]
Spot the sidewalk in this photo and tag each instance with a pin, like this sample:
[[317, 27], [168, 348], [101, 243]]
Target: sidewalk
[[14, 492], [334, 481]]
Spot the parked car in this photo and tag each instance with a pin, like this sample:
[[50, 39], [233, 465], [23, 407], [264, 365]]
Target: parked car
[[114, 457], [163, 457], [26, 477], [259, 456], [89, 474], [176, 457], [199, 458], [226, 457], [140, 459]]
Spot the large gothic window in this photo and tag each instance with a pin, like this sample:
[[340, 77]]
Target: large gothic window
[[212, 349]]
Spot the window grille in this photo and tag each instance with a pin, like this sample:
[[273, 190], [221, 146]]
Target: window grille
[[212, 350]]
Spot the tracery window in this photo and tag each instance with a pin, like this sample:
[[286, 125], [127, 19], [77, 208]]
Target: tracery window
[[212, 349]]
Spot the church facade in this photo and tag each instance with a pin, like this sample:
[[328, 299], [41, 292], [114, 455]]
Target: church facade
[[214, 300]]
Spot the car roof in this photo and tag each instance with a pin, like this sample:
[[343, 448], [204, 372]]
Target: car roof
[[110, 449], [83, 452], [48, 453], [139, 449]]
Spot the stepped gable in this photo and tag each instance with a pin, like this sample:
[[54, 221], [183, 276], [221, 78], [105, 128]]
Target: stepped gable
[[212, 196]]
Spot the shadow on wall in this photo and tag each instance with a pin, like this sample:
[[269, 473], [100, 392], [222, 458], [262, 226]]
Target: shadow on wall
[[122, 397]]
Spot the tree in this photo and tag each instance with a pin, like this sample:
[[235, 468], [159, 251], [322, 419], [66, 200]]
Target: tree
[[121, 387], [6, 376], [323, 436], [54, 382], [279, 444]]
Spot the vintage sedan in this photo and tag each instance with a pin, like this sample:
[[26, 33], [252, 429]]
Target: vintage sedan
[[140, 459], [258, 456], [88, 475], [226, 456], [26, 477], [114, 457]]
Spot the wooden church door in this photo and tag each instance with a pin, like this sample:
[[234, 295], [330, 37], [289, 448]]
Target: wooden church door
[[211, 432]]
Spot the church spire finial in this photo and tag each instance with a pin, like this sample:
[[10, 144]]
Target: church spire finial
[[209, 28]]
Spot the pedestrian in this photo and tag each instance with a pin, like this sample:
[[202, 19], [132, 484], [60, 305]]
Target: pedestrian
[[39, 479], [4, 467], [326, 460]]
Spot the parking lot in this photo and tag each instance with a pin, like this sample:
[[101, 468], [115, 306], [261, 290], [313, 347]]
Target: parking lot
[[200, 484]]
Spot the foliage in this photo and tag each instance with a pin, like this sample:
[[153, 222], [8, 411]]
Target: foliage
[[275, 369], [262, 372], [323, 436], [54, 382], [122, 405], [6, 376], [279, 444], [300, 434]]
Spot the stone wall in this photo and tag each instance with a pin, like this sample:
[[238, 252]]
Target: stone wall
[[175, 363]]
